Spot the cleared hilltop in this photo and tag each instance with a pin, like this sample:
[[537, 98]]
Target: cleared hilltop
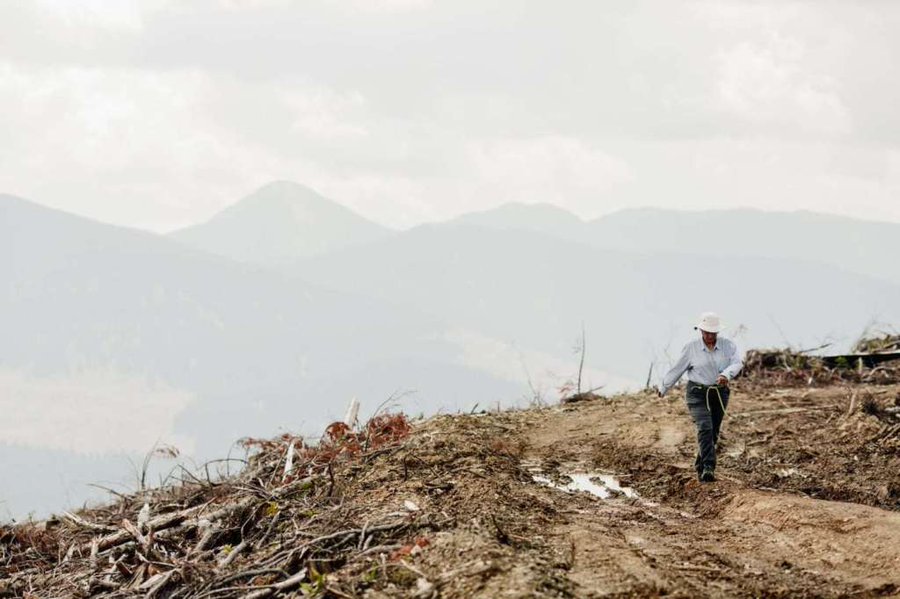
[[487, 505], [296, 304]]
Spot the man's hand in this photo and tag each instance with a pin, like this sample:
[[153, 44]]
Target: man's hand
[[723, 381]]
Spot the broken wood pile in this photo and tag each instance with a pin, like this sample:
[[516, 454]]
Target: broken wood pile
[[262, 533], [886, 343], [784, 367], [442, 508]]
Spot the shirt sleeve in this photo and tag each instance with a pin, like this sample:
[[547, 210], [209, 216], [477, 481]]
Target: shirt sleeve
[[675, 373], [735, 363]]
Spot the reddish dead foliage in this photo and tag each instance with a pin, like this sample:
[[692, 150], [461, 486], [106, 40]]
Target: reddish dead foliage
[[339, 441], [413, 548], [386, 429]]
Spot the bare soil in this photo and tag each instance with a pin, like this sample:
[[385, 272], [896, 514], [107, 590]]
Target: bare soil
[[807, 505]]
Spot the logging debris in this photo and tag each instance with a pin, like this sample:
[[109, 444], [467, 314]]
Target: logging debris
[[789, 368], [373, 511]]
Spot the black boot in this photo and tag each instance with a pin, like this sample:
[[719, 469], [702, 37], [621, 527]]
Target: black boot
[[708, 475]]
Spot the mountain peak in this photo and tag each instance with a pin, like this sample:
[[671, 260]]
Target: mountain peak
[[285, 191], [280, 199], [280, 222]]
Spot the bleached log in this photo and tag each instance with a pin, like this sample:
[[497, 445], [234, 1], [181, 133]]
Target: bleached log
[[352, 415], [853, 397], [143, 517], [85, 524], [288, 461]]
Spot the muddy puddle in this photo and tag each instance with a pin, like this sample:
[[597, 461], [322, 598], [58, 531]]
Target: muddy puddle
[[577, 479], [603, 486]]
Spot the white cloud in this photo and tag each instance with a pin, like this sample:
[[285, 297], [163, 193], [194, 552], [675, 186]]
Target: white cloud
[[767, 174], [132, 140], [540, 168], [353, 6], [157, 113], [892, 174], [382, 6], [252, 4], [767, 84], [103, 14], [778, 65], [325, 114]]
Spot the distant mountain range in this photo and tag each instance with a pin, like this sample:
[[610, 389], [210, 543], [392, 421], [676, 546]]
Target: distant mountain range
[[858, 246], [277, 311], [283, 222], [853, 245]]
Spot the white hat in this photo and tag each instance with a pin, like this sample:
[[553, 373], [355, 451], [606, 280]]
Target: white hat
[[709, 322]]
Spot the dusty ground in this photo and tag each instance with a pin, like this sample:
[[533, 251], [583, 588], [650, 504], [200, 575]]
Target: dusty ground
[[808, 504], [763, 529]]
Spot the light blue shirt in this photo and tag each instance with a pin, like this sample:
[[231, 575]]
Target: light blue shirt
[[704, 366]]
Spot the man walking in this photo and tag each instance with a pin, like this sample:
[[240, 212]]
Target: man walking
[[710, 362]]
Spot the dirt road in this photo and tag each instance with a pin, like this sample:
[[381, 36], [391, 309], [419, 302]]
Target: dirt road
[[771, 526]]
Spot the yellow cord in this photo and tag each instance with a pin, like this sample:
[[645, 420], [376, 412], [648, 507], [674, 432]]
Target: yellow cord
[[721, 403]]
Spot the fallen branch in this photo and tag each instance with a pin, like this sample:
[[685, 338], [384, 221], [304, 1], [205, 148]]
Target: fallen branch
[[85, 524], [285, 585], [353, 532], [164, 522], [232, 555], [155, 584]]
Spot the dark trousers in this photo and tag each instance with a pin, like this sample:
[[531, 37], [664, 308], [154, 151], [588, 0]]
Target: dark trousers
[[707, 417]]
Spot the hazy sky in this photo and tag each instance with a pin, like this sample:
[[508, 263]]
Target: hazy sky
[[158, 113]]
